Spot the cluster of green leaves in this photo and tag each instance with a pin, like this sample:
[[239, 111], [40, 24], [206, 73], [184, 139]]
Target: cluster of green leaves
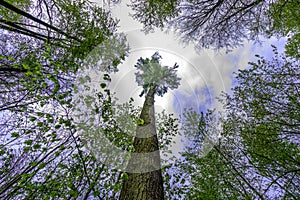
[[286, 17], [42, 48], [43, 152], [167, 128], [222, 24], [152, 73], [11, 15], [154, 13], [266, 105], [257, 152]]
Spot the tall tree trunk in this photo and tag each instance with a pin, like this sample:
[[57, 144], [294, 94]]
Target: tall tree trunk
[[144, 170]]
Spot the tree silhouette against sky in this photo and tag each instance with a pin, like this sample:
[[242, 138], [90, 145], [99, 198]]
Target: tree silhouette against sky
[[144, 179]]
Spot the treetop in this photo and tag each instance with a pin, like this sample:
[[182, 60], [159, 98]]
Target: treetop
[[152, 73]]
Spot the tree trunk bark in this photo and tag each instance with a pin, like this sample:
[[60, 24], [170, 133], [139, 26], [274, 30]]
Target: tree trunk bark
[[144, 170]]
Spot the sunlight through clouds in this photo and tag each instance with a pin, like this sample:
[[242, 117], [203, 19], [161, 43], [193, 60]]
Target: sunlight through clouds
[[204, 74]]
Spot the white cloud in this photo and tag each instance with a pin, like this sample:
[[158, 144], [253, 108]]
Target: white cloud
[[204, 74]]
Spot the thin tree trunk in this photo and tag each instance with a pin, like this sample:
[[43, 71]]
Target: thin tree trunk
[[144, 170]]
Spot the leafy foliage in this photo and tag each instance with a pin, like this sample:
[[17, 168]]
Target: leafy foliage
[[154, 13], [43, 151], [42, 156], [266, 105], [222, 24], [286, 17], [257, 155], [151, 73]]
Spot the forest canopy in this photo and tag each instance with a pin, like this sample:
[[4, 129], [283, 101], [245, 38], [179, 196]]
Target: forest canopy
[[249, 150]]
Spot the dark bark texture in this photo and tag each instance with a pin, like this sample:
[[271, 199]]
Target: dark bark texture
[[144, 170]]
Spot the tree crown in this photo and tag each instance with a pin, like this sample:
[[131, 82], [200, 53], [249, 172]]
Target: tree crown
[[152, 73]]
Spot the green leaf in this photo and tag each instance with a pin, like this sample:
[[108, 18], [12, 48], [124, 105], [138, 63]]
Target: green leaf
[[57, 126], [32, 119], [124, 176], [33, 164], [2, 152], [40, 114], [36, 146], [96, 193], [139, 122], [42, 103], [27, 149], [42, 165], [44, 85], [103, 85], [15, 134], [28, 142], [67, 123], [74, 193]]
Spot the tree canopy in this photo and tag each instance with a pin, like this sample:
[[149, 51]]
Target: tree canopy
[[152, 73], [250, 151], [43, 44], [222, 24], [257, 153]]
